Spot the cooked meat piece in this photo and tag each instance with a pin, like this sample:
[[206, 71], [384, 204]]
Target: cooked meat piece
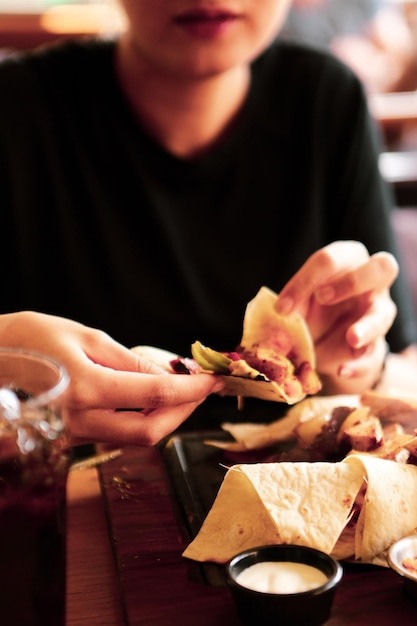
[[361, 431], [391, 408]]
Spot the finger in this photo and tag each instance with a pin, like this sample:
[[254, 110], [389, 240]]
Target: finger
[[378, 273], [326, 263], [375, 323], [353, 371], [125, 427], [367, 360], [107, 389], [101, 349]]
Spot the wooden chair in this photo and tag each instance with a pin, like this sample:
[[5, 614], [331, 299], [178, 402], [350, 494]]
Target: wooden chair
[[396, 114]]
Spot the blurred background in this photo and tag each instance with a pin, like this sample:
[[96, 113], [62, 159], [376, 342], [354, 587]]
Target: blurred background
[[25, 24], [377, 38], [363, 33]]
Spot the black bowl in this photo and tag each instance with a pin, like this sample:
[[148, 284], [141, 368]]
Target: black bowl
[[306, 608]]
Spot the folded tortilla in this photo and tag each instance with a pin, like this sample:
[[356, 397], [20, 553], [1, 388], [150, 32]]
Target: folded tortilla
[[261, 318], [389, 511], [275, 337], [280, 344], [310, 504], [277, 503], [254, 436]]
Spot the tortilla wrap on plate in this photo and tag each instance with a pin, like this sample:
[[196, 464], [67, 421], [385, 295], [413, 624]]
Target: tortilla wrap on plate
[[389, 510], [311, 504], [255, 436]]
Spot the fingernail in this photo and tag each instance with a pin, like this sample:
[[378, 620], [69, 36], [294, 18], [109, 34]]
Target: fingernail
[[325, 294], [346, 372], [284, 305], [356, 339]]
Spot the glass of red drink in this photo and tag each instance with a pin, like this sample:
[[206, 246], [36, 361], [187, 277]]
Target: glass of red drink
[[34, 463]]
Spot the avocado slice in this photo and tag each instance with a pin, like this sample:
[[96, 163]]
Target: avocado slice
[[210, 359]]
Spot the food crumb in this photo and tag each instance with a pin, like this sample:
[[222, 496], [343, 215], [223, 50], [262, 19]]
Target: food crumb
[[410, 563]]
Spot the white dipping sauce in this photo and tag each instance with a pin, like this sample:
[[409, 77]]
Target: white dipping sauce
[[281, 577]]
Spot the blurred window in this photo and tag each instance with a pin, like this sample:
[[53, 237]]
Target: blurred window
[[37, 6]]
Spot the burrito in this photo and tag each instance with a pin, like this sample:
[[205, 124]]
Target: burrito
[[354, 509]]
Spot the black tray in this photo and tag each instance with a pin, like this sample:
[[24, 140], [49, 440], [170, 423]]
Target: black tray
[[196, 471]]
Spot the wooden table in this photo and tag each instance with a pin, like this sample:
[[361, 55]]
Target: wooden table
[[93, 587], [135, 575]]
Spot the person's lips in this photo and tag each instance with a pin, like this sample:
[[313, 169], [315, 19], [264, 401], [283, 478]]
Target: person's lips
[[206, 23]]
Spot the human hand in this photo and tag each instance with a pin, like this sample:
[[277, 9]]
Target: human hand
[[106, 376], [343, 293]]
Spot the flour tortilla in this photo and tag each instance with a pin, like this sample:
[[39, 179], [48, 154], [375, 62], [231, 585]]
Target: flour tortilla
[[389, 511], [261, 317], [311, 504], [262, 390], [303, 503], [289, 335], [157, 356], [234, 385], [254, 436]]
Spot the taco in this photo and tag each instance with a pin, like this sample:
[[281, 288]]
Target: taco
[[275, 359]]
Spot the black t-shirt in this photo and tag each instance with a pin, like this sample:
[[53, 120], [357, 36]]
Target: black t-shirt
[[102, 225]]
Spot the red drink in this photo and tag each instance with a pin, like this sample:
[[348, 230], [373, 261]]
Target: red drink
[[34, 463], [32, 531]]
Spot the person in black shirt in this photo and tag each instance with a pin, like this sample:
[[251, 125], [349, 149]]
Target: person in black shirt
[[151, 184]]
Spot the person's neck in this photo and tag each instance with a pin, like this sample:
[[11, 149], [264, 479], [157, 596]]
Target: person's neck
[[186, 116]]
